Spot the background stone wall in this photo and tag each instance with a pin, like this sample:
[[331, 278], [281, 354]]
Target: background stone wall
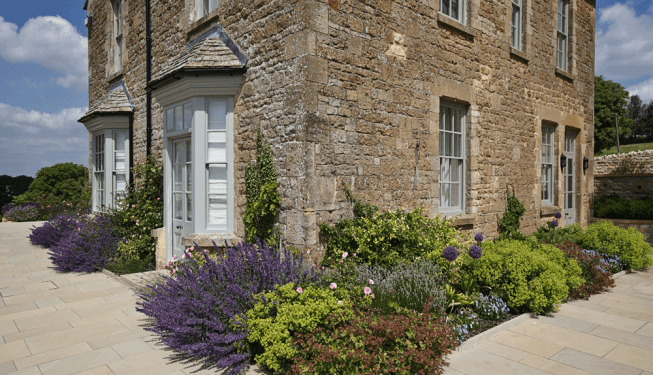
[[624, 185], [606, 164]]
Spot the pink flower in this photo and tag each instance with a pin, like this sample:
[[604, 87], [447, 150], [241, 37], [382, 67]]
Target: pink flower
[[206, 251], [354, 254], [372, 295], [371, 282], [367, 290], [333, 286], [299, 290], [344, 255], [191, 248], [138, 221], [340, 260], [322, 267], [133, 206]]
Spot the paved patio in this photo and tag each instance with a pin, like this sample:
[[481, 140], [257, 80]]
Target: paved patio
[[57, 324], [610, 334], [53, 323]]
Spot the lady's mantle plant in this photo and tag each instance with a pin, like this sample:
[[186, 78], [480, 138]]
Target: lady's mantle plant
[[263, 200], [194, 313]]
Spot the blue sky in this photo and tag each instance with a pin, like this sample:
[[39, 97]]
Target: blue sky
[[43, 74]]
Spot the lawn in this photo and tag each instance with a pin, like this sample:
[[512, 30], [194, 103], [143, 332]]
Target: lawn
[[626, 148]]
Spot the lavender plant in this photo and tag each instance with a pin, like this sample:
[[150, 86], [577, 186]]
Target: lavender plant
[[88, 248], [50, 233], [26, 212], [193, 312]]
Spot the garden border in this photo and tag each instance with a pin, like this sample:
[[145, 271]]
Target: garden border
[[483, 336]]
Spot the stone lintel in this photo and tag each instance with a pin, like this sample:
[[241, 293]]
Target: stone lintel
[[549, 210], [205, 239]]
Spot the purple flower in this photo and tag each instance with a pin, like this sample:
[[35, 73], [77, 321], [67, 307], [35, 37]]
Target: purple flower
[[475, 251], [557, 215], [478, 237], [450, 253], [554, 223]]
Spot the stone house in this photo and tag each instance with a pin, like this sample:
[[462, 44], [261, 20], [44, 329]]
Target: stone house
[[441, 103]]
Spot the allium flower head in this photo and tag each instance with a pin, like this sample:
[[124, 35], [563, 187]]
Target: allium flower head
[[554, 223], [475, 251], [557, 215], [478, 237], [450, 253], [367, 290], [299, 290], [333, 286]]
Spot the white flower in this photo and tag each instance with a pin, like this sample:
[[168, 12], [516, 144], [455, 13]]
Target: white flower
[[344, 255], [339, 302], [333, 286]]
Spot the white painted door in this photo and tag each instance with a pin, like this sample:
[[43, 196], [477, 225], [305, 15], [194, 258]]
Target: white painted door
[[570, 178], [182, 187]]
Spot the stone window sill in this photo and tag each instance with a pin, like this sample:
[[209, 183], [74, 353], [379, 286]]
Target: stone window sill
[[201, 23], [549, 210], [519, 54], [205, 239], [456, 25], [115, 77], [563, 74], [462, 220]]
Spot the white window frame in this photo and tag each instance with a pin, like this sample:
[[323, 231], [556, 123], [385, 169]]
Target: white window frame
[[117, 35], [548, 157], [204, 7], [109, 172], [562, 40], [198, 130], [448, 11], [448, 210], [516, 25]]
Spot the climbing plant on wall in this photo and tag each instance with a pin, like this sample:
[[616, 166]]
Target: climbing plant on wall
[[263, 200]]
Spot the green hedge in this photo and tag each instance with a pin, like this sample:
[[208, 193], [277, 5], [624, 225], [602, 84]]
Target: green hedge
[[615, 207], [528, 275]]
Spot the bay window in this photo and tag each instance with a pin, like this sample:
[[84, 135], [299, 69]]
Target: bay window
[[110, 167]]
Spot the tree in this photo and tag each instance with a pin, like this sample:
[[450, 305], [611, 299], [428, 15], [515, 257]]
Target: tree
[[610, 98], [56, 184], [647, 120], [635, 112], [12, 186]]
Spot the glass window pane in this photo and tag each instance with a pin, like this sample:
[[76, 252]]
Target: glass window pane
[[119, 161], [119, 139], [170, 119], [217, 196], [442, 118], [445, 7], [457, 145], [455, 195], [189, 207], [458, 120], [189, 178], [188, 116], [441, 150], [448, 147], [455, 170], [448, 119], [189, 151], [178, 171], [217, 115], [217, 147], [178, 208], [217, 179], [570, 200], [179, 118], [454, 9], [445, 170], [212, 5], [121, 182]]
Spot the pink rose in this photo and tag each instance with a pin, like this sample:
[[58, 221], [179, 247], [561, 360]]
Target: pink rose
[[344, 255], [299, 290], [371, 282], [333, 286], [372, 295], [367, 290], [340, 260]]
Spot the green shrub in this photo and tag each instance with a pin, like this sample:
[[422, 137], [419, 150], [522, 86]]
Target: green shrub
[[391, 238], [528, 275], [263, 199], [402, 342], [63, 185], [510, 222], [286, 311], [557, 235], [138, 213], [615, 207], [607, 239]]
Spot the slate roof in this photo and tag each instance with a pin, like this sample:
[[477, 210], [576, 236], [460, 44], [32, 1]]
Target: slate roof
[[116, 100], [210, 53]]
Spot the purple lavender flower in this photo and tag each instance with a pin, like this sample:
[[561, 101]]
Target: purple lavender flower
[[478, 237], [50, 233], [193, 313], [475, 251], [450, 253], [557, 215], [554, 223]]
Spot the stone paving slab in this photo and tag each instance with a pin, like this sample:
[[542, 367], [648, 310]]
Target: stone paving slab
[[59, 324], [609, 334]]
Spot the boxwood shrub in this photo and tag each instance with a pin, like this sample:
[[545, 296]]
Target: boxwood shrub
[[607, 239], [615, 207], [528, 275]]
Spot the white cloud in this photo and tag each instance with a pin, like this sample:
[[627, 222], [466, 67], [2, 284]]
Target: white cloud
[[51, 42], [34, 122], [644, 89], [624, 43]]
